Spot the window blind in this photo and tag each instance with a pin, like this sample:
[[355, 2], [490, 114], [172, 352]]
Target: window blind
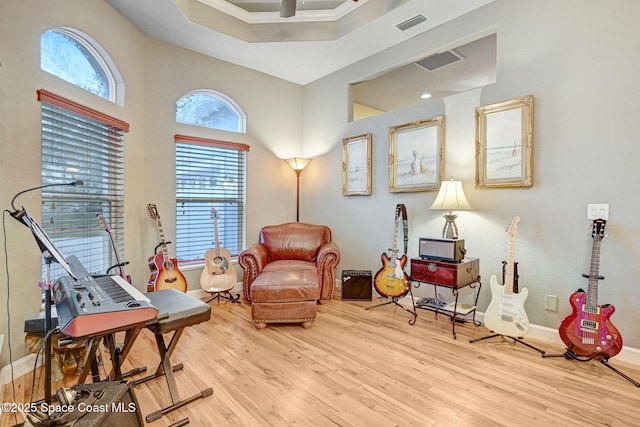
[[78, 147], [209, 174]]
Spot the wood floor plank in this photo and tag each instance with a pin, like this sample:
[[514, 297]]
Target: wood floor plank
[[358, 367]]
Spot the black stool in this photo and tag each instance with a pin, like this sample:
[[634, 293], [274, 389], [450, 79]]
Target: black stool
[[176, 311]]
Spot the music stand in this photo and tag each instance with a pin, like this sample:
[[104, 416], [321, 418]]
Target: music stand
[[50, 253]]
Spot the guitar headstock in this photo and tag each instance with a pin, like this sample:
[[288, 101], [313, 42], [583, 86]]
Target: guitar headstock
[[214, 213], [597, 231], [514, 226], [103, 222], [153, 211]]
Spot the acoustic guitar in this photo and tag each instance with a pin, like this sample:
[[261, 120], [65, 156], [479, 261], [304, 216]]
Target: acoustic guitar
[[119, 264], [391, 281], [218, 274], [164, 270], [587, 331], [505, 314]]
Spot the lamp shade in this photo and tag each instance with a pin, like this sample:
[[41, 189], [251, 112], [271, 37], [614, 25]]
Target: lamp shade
[[298, 163], [451, 197]]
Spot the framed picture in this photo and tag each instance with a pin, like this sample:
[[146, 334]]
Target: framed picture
[[416, 156], [504, 144], [356, 165]]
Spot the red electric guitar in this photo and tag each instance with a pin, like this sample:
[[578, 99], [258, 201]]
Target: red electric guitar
[[164, 270], [587, 332], [119, 262]]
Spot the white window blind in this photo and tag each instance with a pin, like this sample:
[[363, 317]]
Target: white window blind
[[209, 174], [80, 144]]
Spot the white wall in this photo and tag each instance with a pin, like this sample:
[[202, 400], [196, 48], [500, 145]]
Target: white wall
[[580, 61]]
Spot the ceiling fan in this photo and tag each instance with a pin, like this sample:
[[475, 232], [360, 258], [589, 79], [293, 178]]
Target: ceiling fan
[[288, 8]]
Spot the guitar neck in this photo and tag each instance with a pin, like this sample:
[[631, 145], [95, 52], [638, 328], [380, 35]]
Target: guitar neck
[[165, 253], [594, 272], [216, 240], [394, 250], [509, 276]]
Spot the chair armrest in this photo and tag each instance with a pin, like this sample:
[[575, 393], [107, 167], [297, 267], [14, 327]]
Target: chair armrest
[[252, 260], [327, 261]]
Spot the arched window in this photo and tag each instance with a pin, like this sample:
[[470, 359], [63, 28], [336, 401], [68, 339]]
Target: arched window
[[211, 109], [77, 58]]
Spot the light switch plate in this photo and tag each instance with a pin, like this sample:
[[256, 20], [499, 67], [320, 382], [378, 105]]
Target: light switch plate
[[598, 211]]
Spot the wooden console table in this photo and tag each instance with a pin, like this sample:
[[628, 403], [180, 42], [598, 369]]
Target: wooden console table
[[450, 275]]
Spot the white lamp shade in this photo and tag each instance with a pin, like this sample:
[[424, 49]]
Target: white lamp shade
[[451, 197]]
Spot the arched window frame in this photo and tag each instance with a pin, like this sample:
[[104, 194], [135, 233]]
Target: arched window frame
[[102, 58], [240, 114]]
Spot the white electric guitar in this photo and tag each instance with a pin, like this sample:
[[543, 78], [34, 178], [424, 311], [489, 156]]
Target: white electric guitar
[[505, 314]]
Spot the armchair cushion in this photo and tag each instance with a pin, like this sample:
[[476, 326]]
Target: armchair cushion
[[288, 271], [293, 245]]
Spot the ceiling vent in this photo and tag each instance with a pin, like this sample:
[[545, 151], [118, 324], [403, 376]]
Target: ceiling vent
[[439, 60], [418, 19]]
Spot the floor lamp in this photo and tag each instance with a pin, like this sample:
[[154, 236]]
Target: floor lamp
[[298, 164]]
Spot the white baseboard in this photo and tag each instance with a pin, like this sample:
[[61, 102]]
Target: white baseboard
[[543, 333]]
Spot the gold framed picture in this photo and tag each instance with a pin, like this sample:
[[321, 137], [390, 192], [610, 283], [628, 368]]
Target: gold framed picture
[[356, 165], [416, 155], [504, 144]]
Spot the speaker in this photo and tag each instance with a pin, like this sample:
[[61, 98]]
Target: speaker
[[444, 249], [356, 285]]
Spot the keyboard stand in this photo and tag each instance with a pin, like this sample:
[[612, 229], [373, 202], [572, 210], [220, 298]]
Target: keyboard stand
[[180, 311], [118, 354]]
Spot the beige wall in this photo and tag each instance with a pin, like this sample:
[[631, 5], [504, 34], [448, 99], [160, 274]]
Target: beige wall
[[581, 63], [156, 76]]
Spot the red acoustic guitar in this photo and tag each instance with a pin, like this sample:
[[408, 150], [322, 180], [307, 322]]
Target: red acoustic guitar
[[587, 331], [164, 270]]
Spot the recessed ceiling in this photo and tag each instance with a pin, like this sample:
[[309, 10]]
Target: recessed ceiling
[[274, 5], [473, 65], [323, 37]]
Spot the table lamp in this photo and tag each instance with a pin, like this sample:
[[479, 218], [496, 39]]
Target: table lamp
[[450, 197]]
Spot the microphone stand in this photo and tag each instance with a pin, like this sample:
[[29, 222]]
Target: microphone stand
[[22, 216]]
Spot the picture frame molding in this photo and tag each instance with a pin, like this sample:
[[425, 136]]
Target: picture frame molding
[[348, 161], [396, 175], [525, 155]]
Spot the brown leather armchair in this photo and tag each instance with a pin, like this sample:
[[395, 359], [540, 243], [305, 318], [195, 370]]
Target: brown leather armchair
[[288, 271]]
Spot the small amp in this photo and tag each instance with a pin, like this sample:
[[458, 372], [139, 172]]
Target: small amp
[[444, 249], [356, 285]]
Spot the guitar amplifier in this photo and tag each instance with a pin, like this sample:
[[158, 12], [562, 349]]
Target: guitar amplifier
[[445, 273], [356, 285], [446, 249]]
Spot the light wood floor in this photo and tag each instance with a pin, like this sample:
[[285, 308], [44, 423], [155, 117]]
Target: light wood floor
[[371, 368]]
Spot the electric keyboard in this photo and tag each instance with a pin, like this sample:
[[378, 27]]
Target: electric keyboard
[[93, 305]]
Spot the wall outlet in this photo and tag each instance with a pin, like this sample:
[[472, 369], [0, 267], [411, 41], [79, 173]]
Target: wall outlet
[[551, 302], [598, 211]]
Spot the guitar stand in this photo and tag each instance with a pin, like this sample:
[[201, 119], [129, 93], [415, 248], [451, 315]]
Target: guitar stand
[[516, 276], [395, 301], [515, 339], [223, 295], [570, 355]]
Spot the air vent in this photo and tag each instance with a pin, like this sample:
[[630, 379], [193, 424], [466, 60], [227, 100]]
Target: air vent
[[439, 60], [411, 22]]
